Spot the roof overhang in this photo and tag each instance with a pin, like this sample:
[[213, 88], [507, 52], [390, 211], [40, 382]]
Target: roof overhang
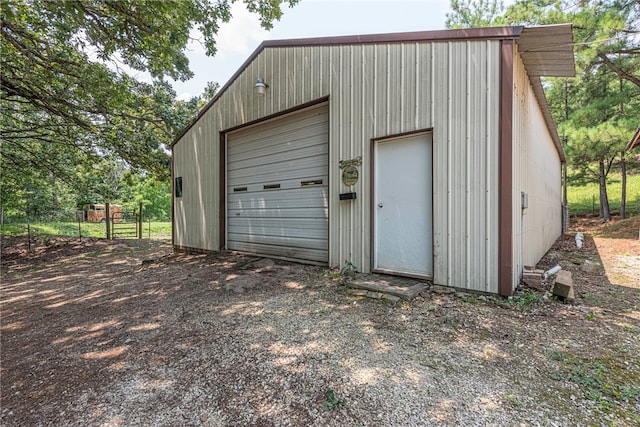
[[547, 51], [635, 140]]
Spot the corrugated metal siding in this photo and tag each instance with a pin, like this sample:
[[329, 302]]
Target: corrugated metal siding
[[537, 172], [466, 93], [375, 91], [196, 215]]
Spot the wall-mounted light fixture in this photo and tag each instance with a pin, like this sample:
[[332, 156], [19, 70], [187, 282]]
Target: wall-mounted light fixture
[[260, 88]]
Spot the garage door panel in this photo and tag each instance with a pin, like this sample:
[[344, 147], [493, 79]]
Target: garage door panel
[[294, 155], [291, 232], [319, 255], [273, 177], [305, 183], [279, 132], [277, 187], [270, 174], [240, 223], [282, 143], [287, 199], [279, 213], [290, 241], [302, 123], [295, 192]]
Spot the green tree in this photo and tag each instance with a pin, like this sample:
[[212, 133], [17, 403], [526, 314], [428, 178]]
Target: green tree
[[598, 110], [604, 31], [154, 194], [475, 13], [603, 143], [64, 98]]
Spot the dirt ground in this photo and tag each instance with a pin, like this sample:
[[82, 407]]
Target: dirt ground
[[126, 333]]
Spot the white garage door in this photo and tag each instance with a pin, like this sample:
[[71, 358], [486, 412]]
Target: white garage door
[[277, 187]]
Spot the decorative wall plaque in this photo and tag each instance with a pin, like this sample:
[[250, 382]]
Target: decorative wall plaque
[[349, 175], [349, 171], [353, 162]]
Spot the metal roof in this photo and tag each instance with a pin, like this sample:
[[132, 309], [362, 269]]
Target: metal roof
[[548, 50]]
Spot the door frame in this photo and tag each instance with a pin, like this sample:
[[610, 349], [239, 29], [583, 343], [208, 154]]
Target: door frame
[[372, 210]]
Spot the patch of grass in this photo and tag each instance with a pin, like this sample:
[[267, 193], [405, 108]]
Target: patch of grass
[[556, 355], [578, 257], [348, 270], [525, 298], [513, 401], [620, 228], [13, 229], [590, 298], [333, 400], [159, 230], [332, 274], [632, 328], [470, 299], [451, 321], [611, 381], [585, 199], [55, 229]]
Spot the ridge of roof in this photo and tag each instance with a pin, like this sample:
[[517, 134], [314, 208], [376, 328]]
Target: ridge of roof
[[486, 33]]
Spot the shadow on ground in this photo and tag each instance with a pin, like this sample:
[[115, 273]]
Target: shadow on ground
[[127, 333]]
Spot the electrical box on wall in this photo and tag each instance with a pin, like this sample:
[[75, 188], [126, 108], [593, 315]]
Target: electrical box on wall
[[524, 200]]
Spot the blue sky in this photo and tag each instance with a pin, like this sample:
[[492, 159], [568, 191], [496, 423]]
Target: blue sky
[[310, 18]]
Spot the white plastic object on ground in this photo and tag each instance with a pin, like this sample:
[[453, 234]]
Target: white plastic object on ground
[[552, 271], [579, 239]]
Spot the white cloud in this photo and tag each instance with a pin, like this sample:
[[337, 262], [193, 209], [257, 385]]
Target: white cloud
[[184, 96], [241, 34]]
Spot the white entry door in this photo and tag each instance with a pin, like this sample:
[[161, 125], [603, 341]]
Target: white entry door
[[403, 235]]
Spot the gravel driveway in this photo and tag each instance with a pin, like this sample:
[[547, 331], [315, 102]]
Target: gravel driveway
[[127, 334]]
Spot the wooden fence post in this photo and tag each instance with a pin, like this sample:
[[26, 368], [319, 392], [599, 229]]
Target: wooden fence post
[[140, 221], [107, 220]]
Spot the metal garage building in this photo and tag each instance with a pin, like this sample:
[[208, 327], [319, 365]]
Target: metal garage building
[[429, 154]]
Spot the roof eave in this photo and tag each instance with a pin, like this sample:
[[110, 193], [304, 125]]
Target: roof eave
[[547, 51], [635, 140]]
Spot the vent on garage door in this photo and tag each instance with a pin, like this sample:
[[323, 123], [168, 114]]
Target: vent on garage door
[[277, 187]]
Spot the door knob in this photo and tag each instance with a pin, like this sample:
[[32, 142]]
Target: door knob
[[380, 205]]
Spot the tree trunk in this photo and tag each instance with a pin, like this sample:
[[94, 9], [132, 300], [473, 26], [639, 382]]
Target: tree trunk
[[54, 196], [604, 200], [623, 197]]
